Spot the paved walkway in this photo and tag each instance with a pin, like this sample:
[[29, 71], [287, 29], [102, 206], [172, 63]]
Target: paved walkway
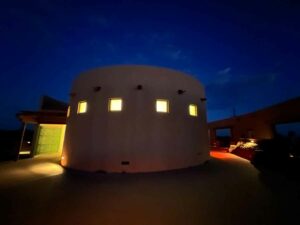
[[14, 173], [227, 190]]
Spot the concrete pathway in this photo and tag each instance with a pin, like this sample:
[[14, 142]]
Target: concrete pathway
[[14, 173], [227, 190]]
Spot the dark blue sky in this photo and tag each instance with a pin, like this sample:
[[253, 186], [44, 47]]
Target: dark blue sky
[[247, 53]]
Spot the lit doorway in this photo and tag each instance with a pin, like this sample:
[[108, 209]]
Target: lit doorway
[[50, 138]]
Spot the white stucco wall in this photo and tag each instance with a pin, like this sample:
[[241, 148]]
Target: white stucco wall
[[148, 140]]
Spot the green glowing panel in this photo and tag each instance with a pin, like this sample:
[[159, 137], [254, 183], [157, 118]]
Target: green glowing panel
[[49, 139]]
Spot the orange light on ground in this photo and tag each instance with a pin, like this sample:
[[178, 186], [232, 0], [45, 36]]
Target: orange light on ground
[[225, 156], [220, 155]]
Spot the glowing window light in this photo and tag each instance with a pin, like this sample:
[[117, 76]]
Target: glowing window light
[[24, 152], [82, 107], [193, 110], [115, 105], [68, 112], [162, 106]]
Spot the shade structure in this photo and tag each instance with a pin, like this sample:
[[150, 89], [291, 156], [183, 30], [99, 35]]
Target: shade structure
[[135, 118]]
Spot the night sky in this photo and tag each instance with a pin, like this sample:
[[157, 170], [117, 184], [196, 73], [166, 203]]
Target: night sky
[[247, 54]]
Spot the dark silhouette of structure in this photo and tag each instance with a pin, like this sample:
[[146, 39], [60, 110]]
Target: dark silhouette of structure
[[260, 124]]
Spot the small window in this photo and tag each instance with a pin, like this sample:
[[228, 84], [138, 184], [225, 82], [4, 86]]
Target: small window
[[193, 110], [82, 107], [68, 112], [162, 106], [115, 105]]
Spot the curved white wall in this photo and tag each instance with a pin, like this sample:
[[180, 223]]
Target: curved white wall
[[150, 141]]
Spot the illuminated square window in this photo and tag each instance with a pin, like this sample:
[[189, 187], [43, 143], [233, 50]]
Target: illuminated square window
[[68, 112], [162, 105], [82, 107], [115, 105], [193, 110]]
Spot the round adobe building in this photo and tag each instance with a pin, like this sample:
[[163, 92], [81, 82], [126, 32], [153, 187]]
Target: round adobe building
[[135, 119]]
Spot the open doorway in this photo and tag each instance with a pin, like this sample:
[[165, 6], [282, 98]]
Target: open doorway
[[50, 138]]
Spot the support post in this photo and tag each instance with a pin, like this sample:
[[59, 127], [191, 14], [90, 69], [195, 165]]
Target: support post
[[22, 139]]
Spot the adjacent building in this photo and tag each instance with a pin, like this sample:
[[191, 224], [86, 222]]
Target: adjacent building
[[262, 124]]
